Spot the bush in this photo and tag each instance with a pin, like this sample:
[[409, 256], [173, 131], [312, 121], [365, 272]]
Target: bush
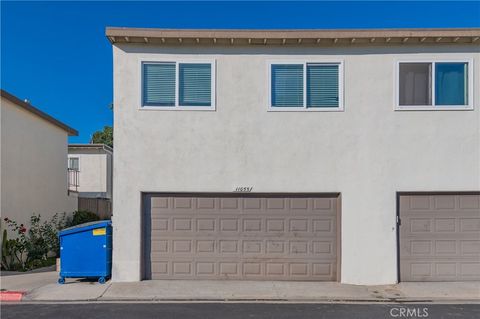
[[82, 216], [30, 248], [11, 253]]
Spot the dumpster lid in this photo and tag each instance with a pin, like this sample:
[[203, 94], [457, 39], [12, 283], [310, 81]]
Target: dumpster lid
[[85, 227]]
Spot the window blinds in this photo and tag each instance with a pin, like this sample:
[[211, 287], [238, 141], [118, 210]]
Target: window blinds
[[159, 84], [287, 85], [322, 85], [195, 84]]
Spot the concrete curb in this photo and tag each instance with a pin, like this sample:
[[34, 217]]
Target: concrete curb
[[11, 295], [291, 301], [251, 300], [295, 300]]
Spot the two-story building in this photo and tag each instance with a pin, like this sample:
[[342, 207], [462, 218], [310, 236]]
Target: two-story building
[[94, 163], [322, 155], [34, 176]]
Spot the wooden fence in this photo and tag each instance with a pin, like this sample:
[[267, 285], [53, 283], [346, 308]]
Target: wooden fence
[[100, 206]]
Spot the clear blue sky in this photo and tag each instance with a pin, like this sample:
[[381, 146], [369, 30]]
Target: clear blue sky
[[56, 54]]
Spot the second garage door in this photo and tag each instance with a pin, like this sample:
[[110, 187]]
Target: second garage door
[[440, 237], [251, 237]]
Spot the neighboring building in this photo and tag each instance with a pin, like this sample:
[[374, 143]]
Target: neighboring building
[[34, 175], [94, 165], [338, 155]]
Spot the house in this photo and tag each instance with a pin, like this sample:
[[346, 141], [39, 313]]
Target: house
[[321, 155], [34, 177], [94, 165]]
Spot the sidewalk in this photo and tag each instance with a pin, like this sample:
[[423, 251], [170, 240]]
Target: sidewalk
[[43, 287]]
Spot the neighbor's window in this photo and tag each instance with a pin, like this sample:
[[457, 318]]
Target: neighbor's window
[[178, 85], [305, 86], [433, 85], [73, 163]]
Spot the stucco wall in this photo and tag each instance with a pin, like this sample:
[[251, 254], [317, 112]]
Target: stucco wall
[[367, 153], [94, 171], [33, 166], [109, 176]]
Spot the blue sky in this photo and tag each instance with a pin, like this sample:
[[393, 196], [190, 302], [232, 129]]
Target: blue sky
[[56, 54]]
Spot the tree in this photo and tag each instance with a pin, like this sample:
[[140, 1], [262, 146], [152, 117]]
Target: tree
[[104, 136]]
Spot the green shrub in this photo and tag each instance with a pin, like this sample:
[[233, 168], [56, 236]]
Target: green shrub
[[82, 216], [11, 249], [31, 247]]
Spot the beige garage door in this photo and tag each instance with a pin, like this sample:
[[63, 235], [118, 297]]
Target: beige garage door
[[245, 237], [440, 237]]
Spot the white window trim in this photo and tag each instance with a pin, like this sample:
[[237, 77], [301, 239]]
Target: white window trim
[[178, 107], [304, 62], [432, 107]]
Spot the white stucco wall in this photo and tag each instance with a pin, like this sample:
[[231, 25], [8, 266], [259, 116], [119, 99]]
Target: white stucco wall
[[367, 153], [33, 166], [109, 176], [95, 171]]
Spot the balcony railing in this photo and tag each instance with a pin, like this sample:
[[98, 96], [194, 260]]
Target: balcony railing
[[73, 180]]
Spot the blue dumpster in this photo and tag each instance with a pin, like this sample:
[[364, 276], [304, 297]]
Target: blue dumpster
[[86, 251]]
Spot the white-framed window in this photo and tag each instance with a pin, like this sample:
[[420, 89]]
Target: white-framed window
[[178, 85], [74, 163], [305, 86], [434, 85]]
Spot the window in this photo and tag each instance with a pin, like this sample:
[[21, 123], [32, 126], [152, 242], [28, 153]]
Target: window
[[434, 85], [322, 85], [287, 85], [73, 163], [451, 84], [195, 84], [178, 85], [306, 86], [159, 84], [415, 84]]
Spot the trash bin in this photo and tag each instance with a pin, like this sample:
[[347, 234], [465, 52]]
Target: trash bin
[[86, 251]]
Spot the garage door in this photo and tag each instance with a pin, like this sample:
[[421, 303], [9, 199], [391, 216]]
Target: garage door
[[244, 237], [439, 237]]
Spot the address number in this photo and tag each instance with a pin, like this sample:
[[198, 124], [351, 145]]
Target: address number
[[242, 189]]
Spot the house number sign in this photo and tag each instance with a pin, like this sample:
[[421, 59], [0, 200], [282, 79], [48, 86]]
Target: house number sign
[[243, 189]]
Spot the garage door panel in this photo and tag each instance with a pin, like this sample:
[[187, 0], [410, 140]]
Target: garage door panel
[[444, 271], [469, 202], [439, 237], [246, 269], [254, 238], [233, 225], [470, 225], [441, 247], [247, 205], [234, 247]]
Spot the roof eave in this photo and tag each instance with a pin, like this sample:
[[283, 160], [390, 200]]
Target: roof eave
[[15, 100], [296, 37], [91, 146]]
